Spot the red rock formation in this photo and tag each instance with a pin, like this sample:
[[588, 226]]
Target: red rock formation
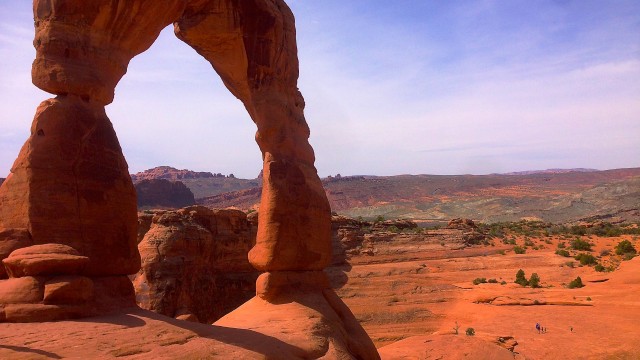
[[170, 173], [161, 193], [194, 263], [70, 183]]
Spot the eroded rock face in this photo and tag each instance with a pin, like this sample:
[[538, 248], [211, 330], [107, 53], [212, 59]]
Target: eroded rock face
[[171, 173], [70, 183], [161, 193], [194, 263], [70, 186]]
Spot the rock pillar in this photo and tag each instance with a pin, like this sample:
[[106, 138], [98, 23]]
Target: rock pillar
[[70, 184], [252, 46]]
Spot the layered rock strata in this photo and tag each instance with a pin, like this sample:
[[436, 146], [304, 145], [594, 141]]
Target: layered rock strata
[[194, 263]]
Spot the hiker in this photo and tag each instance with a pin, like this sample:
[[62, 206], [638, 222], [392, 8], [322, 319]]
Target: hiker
[[538, 327]]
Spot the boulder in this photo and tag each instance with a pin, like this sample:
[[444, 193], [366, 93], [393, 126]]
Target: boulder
[[46, 259]]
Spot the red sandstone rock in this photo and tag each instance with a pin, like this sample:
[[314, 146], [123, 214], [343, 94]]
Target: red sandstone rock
[[162, 193], [26, 289], [195, 263], [254, 52], [10, 240], [68, 290], [46, 259], [170, 173], [70, 185], [301, 309]]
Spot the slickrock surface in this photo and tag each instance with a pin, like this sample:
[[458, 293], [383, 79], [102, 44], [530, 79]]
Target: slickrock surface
[[194, 263], [161, 193]]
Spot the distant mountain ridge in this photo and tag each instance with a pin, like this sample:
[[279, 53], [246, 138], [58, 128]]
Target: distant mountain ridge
[[559, 196], [549, 171], [201, 183]]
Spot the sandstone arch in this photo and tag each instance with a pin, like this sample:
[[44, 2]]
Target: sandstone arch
[[69, 206], [74, 161]]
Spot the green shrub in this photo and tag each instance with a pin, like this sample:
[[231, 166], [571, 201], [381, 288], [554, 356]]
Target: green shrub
[[628, 256], [519, 250], [520, 278], [586, 259], [605, 252], [600, 268], [561, 245], [534, 281], [576, 283], [492, 281], [528, 242], [470, 332], [503, 282], [625, 247], [579, 244], [570, 264], [563, 252], [477, 281]]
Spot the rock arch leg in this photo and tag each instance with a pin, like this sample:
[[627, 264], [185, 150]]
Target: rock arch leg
[[252, 46], [70, 184]]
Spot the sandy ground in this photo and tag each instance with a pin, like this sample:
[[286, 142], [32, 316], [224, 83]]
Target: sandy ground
[[408, 307], [420, 298]]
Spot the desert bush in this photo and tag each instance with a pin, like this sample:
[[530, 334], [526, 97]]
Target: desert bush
[[579, 244], [477, 281], [503, 282], [578, 230], [470, 332], [563, 252], [605, 252], [379, 218], [561, 245], [520, 278], [528, 242], [534, 281], [519, 250], [570, 264], [586, 259], [492, 281], [600, 268], [628, 256], [625, 247], [575, 283]]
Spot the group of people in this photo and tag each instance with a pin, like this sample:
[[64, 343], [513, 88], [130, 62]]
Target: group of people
[[541, 329]]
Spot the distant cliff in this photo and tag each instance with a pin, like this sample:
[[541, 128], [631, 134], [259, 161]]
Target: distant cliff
[[162, 193]]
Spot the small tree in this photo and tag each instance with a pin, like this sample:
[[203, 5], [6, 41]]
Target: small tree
[[520, 278], [534, 281], [625, 247], [576, 283]]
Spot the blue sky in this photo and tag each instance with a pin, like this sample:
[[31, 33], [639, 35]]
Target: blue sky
[[391, 87]]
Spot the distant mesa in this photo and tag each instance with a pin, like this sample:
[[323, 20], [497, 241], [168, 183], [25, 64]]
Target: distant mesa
[[171, 173], [550, 171], [162, 193]]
